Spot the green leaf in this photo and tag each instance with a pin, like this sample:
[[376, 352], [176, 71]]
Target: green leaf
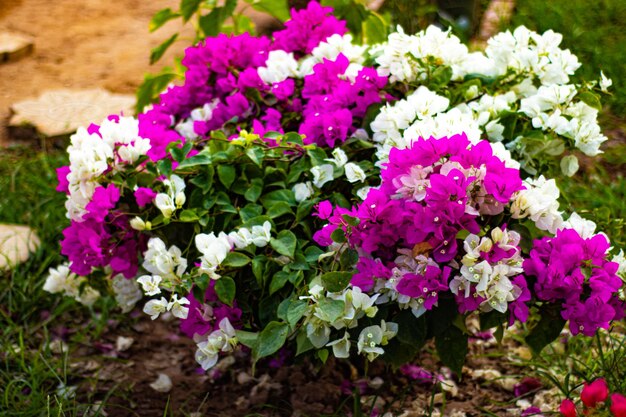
[[196, 160], [254, 191], [277, 8], [160, 18], [569, 165], [348, 258], [256, 155], [226, 174], [150, 89], [338, 235], [590, 99], [303, 344], [157, 53], [411, 330], [236, 260], [225, 289], [547, 329], [330, 309], [398, 353], [269, 199], [491, 319], [188, 8], [188, 216], [312, 254], [248, 339], [278, 281], [442, 316], [284, 243], [271, 339], [211, 24], [375, 29], [279, 209], [323, 355], [336, 281], [165, 167], [295, 311], [452, 348]]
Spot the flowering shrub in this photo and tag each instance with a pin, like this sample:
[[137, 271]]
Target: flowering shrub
[[307, 191]]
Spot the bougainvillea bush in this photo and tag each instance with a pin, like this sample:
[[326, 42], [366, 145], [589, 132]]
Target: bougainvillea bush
[[307, 192]]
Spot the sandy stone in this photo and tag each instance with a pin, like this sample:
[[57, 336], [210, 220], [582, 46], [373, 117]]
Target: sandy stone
[[16, 244], [14, 46], [61, 112]]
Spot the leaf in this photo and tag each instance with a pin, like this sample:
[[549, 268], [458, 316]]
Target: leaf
[[569, 165], [271, 339], [590, 99], [338, 235], [284, 243], [336, 281], [188, 216], [277, 8], [225, 289], [348, 259], [236, 260], [398, 353], [547, 329], [442, 316], [196, 160], [303, 344], [151, 87], [312, 254], [375, 29], [411, 330], [331, 309], [254, 191], [295, 311], [165, 167], [211, 24], [160, 18], [491, 319], [278, 281], [279, 209], [256, 155], [157, 53], [323, 355], [248, 339], [226, 174], [452, 348], [269, 199], [188, 8]]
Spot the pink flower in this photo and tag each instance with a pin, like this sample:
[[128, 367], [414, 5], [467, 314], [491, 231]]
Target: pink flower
[[618, 405], [594, 393], [144, 196], [567, 408]]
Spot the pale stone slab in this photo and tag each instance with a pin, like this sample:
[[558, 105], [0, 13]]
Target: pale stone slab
[[14, 46], [61, 112], [16, 244]]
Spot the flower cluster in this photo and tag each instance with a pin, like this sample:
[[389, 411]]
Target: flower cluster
[[575, 271]]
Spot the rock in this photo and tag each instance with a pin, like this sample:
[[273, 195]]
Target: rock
[[162, 384], [14, 46], [62, 112], [16, 244]]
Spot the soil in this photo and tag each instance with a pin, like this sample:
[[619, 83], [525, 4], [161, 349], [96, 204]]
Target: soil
[[82, 44]]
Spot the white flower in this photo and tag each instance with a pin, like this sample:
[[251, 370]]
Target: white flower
[[222, 340], [177, 307], [585, 228], [539, 201], [302, 191], [175, 197], [57, 279], [340, 157], [369, 342], [167, 263], [279, 66], [605, 82], [354, 172], [137, 223], [241, 238], [150, 284], [363, 191], [214, 249], [162, 384], [322, 174], [318, 333], [341, 347], [127, 292], [261, 235], [155, 307], [165, 203]]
